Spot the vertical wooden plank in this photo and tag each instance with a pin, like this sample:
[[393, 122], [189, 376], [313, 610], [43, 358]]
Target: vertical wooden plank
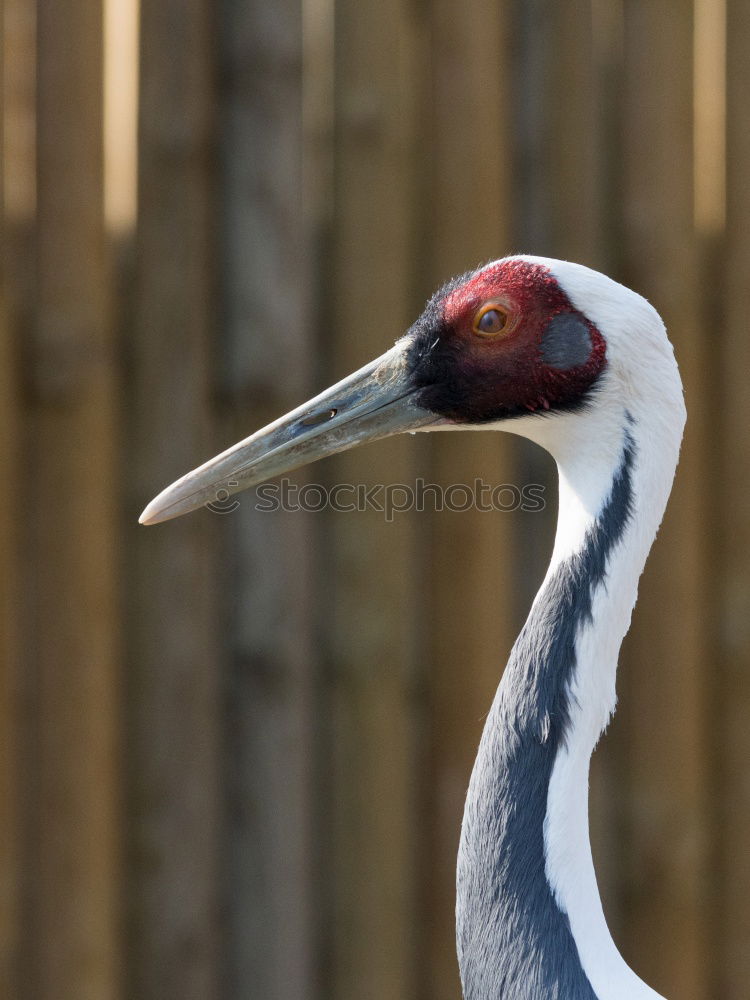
[[10, 817], [72, 554], [665, 682], [10, 909], [577, 154], [471, 622], [120, 99], [173, 661], [370, 575], [8, 813], [19, 958], [268, 699], [19, 121], [732, 906]]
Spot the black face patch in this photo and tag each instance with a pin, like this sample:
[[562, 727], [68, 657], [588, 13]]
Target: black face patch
[[566, 341]]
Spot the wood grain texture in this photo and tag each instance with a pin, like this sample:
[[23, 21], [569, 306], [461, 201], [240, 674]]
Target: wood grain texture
[[19, 946], [71, 552], [370, 586], [10, 702], [270, 725], [173, 675]]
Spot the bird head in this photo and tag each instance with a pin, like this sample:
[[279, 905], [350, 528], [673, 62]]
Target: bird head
[[500, 343], [526, 344]]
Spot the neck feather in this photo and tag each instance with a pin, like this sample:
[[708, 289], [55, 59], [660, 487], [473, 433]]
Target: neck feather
[[529, 916]]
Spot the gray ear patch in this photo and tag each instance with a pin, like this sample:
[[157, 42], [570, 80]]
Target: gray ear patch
[[566, 341]]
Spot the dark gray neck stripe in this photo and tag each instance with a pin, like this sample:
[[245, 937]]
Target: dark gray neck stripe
[[514, 943]]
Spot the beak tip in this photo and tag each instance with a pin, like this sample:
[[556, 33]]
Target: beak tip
[[149, 515], [172, 502], [158, 510]]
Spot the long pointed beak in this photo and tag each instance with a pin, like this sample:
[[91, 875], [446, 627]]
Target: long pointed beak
[[375, 402]]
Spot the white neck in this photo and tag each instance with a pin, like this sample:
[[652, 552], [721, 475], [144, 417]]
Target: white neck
[[586, 477]]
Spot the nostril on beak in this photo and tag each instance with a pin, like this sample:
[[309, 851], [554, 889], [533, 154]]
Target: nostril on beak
[[318, 418]]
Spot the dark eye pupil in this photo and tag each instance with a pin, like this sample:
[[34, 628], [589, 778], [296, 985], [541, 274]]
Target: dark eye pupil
[[492, 321]]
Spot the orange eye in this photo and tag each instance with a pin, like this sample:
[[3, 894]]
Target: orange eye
[[490, 320]]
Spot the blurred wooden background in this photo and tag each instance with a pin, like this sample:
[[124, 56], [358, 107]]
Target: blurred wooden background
[[235, 748]]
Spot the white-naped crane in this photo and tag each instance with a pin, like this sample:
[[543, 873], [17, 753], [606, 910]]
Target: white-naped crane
[[581, 365]]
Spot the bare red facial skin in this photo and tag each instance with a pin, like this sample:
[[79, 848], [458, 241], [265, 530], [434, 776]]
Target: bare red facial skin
[[471, 379]]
